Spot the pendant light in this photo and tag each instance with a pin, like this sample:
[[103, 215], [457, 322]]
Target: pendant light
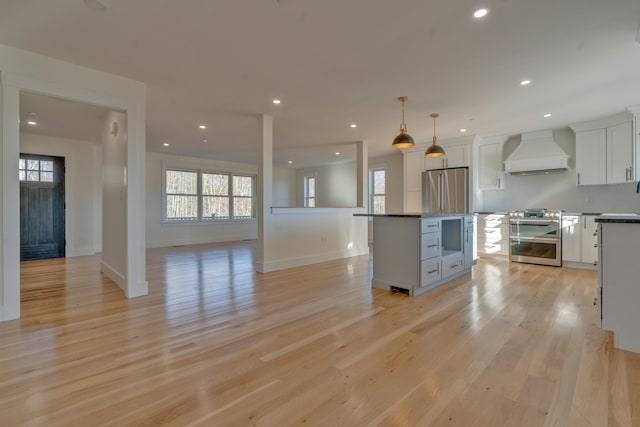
[[434, 149], [403, 140]]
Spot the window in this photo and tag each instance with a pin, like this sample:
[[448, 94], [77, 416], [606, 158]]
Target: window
[[377, 197], [35, 170], [309, 192], [194, 195]]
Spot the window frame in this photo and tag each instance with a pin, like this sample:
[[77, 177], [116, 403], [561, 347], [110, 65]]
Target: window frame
[[305, 193], [200, 197], [372, 172]]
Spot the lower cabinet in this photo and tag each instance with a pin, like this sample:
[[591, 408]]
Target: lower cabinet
[[579, 241], [493, 235], [413, 254], [619, 291]]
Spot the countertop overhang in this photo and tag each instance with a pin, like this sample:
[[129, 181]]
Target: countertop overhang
[[626, 218], [414, 215]]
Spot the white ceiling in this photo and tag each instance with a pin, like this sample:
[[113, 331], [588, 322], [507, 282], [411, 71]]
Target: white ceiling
[[336, 62]]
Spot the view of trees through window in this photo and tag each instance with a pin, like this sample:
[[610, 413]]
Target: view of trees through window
[[377, 193], [196, 195], [310, 191], [35, 170]]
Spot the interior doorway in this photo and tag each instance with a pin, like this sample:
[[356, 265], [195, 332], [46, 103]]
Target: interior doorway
[[42, 207]]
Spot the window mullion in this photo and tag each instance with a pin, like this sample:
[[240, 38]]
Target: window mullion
[[230, 192]]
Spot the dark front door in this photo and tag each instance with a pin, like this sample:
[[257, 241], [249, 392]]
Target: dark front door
[[41, 207]]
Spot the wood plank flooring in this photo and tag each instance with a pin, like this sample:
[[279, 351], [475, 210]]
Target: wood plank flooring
[[215, 344]]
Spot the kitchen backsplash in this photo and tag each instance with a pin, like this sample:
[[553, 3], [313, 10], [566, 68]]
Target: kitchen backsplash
[[558, 191]]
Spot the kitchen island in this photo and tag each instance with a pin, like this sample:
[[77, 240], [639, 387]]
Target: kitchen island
[[619, 286], [413, 253]]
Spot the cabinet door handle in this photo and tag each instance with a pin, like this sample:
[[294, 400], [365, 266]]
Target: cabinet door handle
[[432, 246], [432, 271], [498, 182], [595, 262], [595, 245], [578, 178], [626, 174]]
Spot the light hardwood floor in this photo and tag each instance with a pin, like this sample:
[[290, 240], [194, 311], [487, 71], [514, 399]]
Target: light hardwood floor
[[216, 344]]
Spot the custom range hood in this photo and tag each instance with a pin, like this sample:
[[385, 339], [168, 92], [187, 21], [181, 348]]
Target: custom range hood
[[538, 153]]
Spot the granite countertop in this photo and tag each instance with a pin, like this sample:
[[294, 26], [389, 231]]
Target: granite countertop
[[413, 215], [620, 218]]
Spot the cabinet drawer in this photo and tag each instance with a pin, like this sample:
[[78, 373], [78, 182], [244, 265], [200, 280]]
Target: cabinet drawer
[[498, 247], [430, 272], [429, 226], [452, 264], [430, 246]]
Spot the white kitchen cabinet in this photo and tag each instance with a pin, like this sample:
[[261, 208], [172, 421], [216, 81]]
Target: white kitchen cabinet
[[605, 150], [620, 153], [619, 290], [571, 238], [456, 156], [591, 150], [413, 168], [490, 172], [493, 235], [589, 240], [579, 241]]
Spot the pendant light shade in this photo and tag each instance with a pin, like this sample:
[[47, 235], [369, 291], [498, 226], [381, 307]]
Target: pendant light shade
[[403, 140], [434, 149]]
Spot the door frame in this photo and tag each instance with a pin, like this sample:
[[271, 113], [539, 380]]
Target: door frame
[[68, 81]]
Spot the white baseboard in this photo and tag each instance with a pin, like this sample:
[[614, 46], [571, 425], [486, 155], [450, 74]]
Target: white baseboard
[[306, 260], [114, 275], [199, 241], [79, 252], [580, 265]]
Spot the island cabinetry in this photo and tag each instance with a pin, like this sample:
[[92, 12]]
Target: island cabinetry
[[619, 287], [415, 253]]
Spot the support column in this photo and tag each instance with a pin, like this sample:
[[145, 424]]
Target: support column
[[362, 161], [264, 186]]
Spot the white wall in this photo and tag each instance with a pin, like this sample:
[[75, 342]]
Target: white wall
[[83, 189], [559, 191], [336, 185], [161, 234], [284, 186], [114, 207]]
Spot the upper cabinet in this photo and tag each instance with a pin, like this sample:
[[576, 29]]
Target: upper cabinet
[[489, 165], [456, 156], [605, 150]]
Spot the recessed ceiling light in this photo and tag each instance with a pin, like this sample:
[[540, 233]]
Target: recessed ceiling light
[[166, 144], [205, 140], [480, 13], [95, 5], [463, 130], [32, 113], [353, 125], [290, 161], [32, 123], [547, 115], [337, 153], [276, 101], [203, 127], [525, 82]]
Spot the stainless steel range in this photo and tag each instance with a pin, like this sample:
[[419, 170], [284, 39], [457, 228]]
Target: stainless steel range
[[535, 236]]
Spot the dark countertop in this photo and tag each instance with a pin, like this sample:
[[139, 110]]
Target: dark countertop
[[629, 218], [413, 215]]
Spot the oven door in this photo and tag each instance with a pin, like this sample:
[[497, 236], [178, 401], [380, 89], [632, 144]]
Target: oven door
[[534, 228], [543, 251]]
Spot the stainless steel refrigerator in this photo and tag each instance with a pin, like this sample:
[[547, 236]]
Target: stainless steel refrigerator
[[445, 190]]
